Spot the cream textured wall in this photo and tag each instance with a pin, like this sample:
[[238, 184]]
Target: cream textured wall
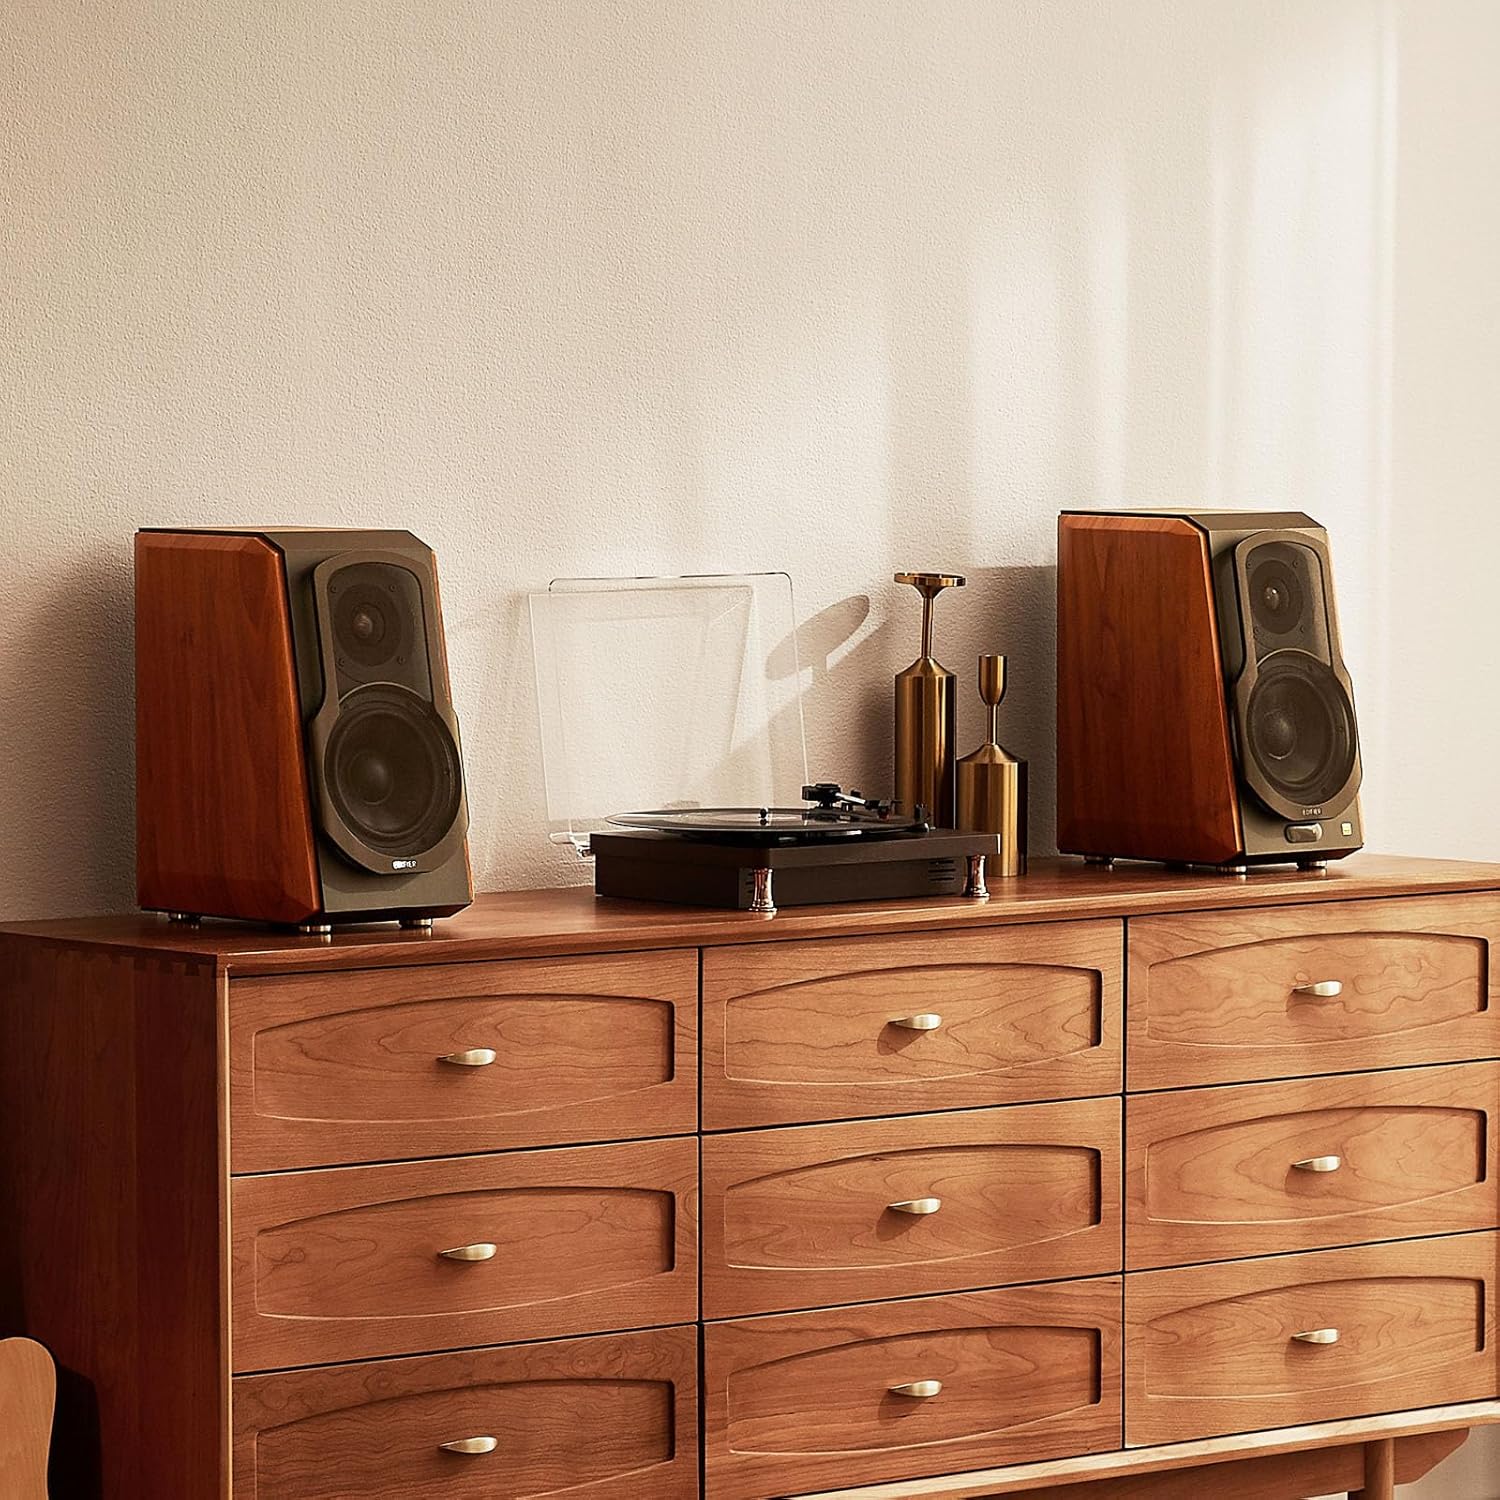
[[837, 286]]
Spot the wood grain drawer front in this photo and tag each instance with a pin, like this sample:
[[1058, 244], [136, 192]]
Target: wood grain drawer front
[[609, 1418], [349, 1264], [1309, 1338], [1266, 1167], [1220, 997], [386, 1064], [813, 1215], [890, 1025], [934, 1385]]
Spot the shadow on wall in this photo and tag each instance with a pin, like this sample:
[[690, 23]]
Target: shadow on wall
[[67, 701], [1015, 613], [847, 670], [847, 699]]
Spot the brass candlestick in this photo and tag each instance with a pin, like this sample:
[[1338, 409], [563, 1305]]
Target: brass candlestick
[[992, 782], [926, 716]]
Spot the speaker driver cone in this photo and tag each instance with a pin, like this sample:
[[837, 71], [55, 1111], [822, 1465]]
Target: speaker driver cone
[[392, 771], [1299, 733], [1276, 593], [376, 615]]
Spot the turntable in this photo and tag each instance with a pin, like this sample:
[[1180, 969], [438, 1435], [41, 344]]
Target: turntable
[[842, 848], [684, 696]]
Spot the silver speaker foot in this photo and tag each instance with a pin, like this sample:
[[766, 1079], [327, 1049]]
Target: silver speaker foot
[[185, 918], [975, 888], [315, 929], [416, 924], [1104, 861], [1312, 864]]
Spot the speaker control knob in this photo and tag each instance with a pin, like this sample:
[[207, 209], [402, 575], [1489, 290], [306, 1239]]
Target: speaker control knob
[[1304, 833]]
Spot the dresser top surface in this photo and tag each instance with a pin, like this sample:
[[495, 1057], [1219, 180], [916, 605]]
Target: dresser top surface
[[521, 924]]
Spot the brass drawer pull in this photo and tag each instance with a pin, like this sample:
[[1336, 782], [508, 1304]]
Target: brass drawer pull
[[1319, 1163], [474, 1446], [475, 1057], [916, 1206], [1318, 1336], [1321, 989], [921, 1389], [924, 1022], [481, 1251]]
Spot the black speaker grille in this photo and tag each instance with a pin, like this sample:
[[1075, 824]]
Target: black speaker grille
[[392, 771], [1299, 729]]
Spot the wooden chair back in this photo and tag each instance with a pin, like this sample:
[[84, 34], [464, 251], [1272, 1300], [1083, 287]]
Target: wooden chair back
[[28, 1392]]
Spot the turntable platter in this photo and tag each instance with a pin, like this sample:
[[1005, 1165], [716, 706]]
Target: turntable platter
[[768, 822]]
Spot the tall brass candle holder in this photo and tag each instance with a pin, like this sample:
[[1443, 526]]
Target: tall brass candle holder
[[992, 782], [927, 716]]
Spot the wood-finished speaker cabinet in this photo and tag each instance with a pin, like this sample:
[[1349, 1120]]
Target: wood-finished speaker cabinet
[[1204, 713], [297, 754]]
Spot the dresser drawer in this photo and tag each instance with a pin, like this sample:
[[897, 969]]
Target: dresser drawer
[[386, 1064], [813, 1215], [1259, 1168], [348, 1264], [890, 1025], [807, 1401], [377, 1430], [1217, 997], [1215, 1349]]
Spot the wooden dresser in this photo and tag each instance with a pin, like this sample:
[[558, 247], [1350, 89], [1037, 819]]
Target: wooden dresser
[[1122, 1183]]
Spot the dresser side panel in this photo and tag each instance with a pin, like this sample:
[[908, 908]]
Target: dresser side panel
[[111, 1191]]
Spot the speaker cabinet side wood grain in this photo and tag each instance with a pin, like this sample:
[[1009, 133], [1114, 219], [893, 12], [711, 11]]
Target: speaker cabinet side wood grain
[[1144, 760], [223, 823]]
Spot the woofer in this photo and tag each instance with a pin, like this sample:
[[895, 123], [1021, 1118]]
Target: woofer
[[392, 772], [1300, 740]]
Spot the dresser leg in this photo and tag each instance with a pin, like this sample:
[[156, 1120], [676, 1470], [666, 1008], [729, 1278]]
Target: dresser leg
[[1380, 1471]]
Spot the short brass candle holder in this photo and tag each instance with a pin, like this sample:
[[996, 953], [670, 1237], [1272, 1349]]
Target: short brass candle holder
[[991, 782]]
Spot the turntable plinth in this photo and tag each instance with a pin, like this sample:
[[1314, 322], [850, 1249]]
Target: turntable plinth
[[663, 867]]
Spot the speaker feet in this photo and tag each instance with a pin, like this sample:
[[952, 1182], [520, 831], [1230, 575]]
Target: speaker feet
[[315, 929], [416, 924], [1312, 864], [185, 918], [1104, 861]]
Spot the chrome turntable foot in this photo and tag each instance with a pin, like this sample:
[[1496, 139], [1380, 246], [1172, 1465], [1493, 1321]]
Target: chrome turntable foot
[[763, 901]]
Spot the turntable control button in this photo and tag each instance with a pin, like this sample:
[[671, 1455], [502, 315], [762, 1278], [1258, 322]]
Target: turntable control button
[[1304, 833]]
